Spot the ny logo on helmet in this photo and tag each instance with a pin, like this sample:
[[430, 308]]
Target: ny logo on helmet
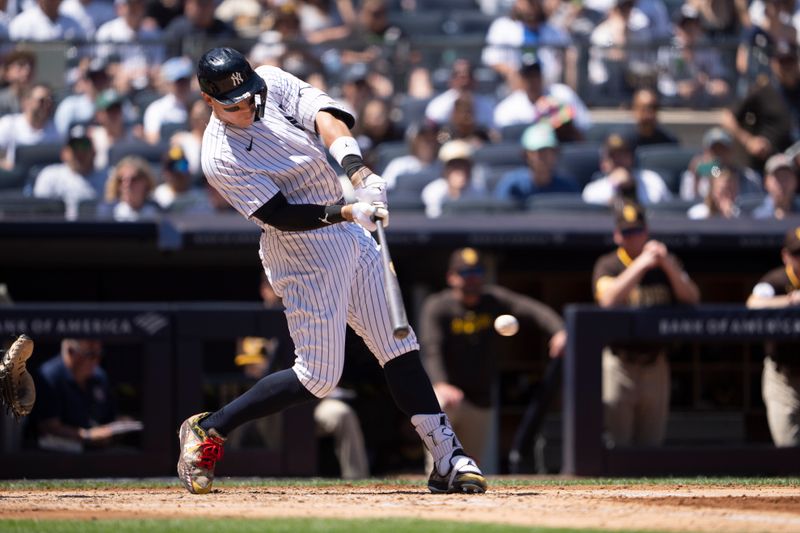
[[237, 78]]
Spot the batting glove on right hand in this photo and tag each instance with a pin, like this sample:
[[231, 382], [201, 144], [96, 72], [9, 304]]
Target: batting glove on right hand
[[372, 190], [364, 215]]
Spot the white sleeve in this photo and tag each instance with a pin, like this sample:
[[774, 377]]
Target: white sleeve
[[298, 98], [597, 192], [763, 290]]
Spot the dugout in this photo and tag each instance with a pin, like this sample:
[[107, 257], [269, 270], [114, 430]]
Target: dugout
[[188, 260]]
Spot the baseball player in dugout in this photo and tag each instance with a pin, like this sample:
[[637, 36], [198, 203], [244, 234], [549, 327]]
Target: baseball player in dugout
[[641, 272], [780, 379], [264, 151], [457, 334]]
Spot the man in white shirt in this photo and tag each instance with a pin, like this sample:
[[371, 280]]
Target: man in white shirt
[[457, 182], [440, 108], [90, 14], [621, 180], [172, 107], [34, 125], [531, 102], [43, 22], [78, 108], [75, 179], [142, 52]]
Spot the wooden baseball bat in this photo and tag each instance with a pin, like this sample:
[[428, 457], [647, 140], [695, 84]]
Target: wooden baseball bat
[[397, 311]]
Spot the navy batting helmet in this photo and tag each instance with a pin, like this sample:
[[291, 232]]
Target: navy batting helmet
[[225, 75]]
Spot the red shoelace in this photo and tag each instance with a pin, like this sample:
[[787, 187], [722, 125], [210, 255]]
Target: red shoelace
[[211, 451]]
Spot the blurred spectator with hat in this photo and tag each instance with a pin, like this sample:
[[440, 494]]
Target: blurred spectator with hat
[[642, 273], [75, 178], [767, 119], [536, 100], [136, 42], [423, 147], [19, 71], [646, 128], [109, 126], [540, 175], [722, 198], [780, 182], [42, 21], [691, 71], [172, 108], [177, 193], [198, 19], [33, 125], [780, 378], [458, 181], [461, 350], [524, 29], [619, 178], [462, 81], [78, 107], [128, 190], [718, 149]]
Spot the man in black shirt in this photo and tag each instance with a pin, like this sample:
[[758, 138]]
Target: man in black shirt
[[646, 129], [767, 120], [780, 380], [457, 334], [636, 377]]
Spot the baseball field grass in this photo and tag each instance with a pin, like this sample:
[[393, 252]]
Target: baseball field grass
[[513, 504]]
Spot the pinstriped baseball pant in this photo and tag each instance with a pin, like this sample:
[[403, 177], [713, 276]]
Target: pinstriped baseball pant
[[327, 278]]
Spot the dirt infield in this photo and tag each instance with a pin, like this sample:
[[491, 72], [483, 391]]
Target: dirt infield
[[663, 507]]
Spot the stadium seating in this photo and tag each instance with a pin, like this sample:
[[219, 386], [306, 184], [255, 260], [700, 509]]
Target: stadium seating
[[16, 206], [387, 151], [562, 202], [36, 155], [669, 160], [503, 153], [477, 205], [150, 152], [413, 182], [579, 161]]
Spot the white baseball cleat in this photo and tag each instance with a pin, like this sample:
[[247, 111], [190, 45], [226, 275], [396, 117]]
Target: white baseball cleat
[[464, 476]]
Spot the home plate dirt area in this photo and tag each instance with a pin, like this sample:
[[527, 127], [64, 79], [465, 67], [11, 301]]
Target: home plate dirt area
[[661, 507]]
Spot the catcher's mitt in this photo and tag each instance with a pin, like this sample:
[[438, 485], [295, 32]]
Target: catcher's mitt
[[16, 384]]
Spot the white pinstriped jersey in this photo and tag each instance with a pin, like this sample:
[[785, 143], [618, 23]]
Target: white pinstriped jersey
[[278, 153], [327, 277]]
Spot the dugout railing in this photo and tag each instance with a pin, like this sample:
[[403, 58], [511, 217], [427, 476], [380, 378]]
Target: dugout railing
[[160, 349], [590, 328]]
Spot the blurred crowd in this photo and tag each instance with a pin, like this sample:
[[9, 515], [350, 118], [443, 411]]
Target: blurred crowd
[[461, 104]]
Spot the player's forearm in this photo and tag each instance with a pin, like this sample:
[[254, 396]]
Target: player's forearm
[[617, 292], [771, 302], [685, 289], [279, 213]]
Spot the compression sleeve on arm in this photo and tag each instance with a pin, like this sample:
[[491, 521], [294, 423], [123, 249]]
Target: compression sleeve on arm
[[279, 213]]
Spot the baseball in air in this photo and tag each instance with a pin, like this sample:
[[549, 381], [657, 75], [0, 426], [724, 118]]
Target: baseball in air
[[506, 325]]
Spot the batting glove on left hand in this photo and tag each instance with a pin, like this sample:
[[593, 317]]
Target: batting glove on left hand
[[364, 215], [372, 190]]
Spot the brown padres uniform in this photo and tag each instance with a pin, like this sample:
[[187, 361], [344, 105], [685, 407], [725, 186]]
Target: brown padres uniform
[[636, 376], [780, 380]]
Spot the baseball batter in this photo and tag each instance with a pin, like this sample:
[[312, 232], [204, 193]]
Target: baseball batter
[[264, 151]]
